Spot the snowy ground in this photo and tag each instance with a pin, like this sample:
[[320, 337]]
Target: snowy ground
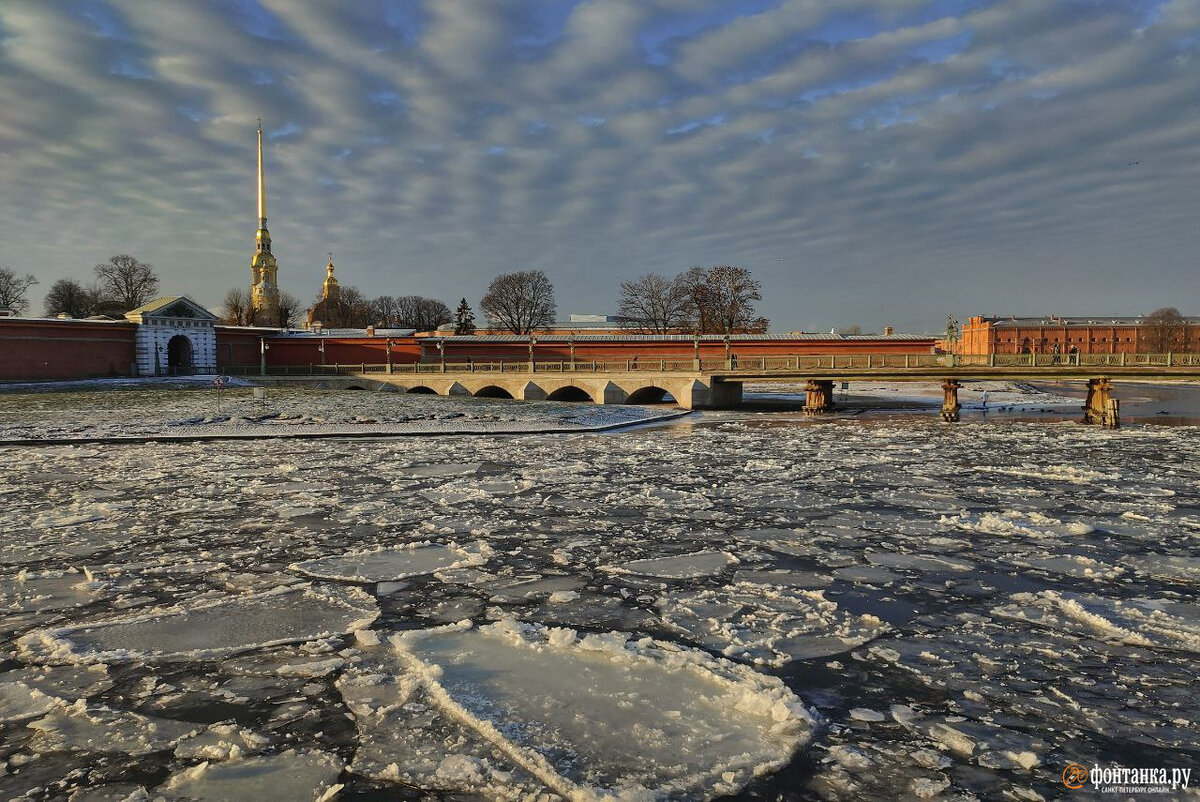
[[846, 609], [187, 409]]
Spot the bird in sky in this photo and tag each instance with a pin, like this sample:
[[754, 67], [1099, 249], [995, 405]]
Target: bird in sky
[[1132, 163]]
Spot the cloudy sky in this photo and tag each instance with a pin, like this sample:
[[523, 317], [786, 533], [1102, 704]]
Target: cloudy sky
[[873, 162]]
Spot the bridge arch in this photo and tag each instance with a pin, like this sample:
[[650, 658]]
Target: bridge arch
[[492, 391], [421, 389], [570, 393], [650, 394]]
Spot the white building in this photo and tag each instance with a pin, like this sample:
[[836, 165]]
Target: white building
[[175, 336]]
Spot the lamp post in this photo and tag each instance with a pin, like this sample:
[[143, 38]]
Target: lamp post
[[262, 355], [696, 351], [441, 346], [389, 356], [532, 364], [321, 348], [728, 363], [571, 344]]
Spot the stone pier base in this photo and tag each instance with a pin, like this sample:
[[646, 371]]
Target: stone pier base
[[1101, 409], [950, 405], [818, 397]]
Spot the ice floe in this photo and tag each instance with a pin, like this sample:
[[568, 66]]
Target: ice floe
[[767, 624], [1039, 609], [211, 628], [682, 566], [294, 775], [87, 728], [396, 563], [1140, 622], [656, 720]]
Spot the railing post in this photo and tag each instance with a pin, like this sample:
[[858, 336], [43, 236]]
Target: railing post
[[992, 359], [906, 360], [1122, 359], [869, 360], [1168, 359]]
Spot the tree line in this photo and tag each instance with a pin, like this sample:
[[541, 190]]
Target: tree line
[[702, 300], [119, 285]]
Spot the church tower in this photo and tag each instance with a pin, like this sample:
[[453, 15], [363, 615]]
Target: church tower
[[330, 290], [327, 309], [264, 283]]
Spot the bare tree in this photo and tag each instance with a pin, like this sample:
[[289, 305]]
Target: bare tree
[[70, 297], [1166, 330], [733, 294], [850, 330], [236, 307], [103, 305], [289, 306], [464, 319], [695, 284], [126, 281], [655, 304], [385, 311], [13, 288], [353, 310], [431, 313], [519, 302], [723, 300]]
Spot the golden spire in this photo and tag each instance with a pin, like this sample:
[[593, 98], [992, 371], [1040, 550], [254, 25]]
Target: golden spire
[[329, 288], [262, 182], [264, 278]]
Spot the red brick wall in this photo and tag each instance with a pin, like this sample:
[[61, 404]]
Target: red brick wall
[[241, 347], [981, 336], [64, 349], [610, 350], [56, 349]]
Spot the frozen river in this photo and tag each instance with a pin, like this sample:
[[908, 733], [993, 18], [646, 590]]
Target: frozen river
[[758, 606]]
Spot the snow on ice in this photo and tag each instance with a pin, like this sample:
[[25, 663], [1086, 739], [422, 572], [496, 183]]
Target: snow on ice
[[220, 618], [210, 629], [604, 715]]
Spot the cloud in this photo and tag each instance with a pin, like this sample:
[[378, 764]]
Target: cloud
[[873, 162]]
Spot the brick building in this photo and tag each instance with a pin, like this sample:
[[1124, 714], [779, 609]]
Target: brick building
[[1086, 335]]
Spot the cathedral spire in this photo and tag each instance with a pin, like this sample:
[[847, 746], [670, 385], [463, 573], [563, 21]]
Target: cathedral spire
[[264, 270], [262, 182]]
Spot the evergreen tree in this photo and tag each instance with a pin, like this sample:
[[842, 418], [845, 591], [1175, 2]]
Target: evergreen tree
[[464, 318]]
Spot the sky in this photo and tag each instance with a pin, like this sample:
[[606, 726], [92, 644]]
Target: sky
[[872, 162]]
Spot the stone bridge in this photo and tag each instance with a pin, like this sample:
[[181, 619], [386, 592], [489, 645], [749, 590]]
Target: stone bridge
[[687, 390], [693, 384]]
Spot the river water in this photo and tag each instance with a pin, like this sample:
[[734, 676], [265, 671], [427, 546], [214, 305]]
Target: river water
[[964, 610]]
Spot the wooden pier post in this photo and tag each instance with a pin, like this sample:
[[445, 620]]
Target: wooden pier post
[[818, 397], [1101, 409], [950, 405]]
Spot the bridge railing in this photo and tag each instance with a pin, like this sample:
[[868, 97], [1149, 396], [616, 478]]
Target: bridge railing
[[781, 364]]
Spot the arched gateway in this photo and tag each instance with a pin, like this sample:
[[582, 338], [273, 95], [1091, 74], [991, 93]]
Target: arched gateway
[[176, 336], [179, 355]]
